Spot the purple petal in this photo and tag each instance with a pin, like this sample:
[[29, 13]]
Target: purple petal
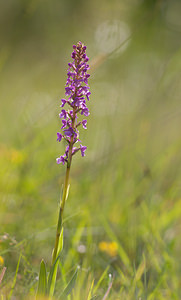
[[85, 112], [68, 91], [64, 124], [87, 95], [60, 160], [63, 102], [82, 149], [84, 123], [63, 114], [67, 151], [69, 132], [73, 55], [59, 136]]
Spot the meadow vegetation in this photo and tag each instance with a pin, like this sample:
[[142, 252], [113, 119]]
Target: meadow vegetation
[[122, 219]]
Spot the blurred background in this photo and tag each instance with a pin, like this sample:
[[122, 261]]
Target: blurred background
[[124, 205]]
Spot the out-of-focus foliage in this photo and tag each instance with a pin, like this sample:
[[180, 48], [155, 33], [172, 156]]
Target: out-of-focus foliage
[[124, 207]]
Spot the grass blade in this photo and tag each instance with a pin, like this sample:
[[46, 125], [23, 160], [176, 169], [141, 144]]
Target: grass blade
[[101, 279], [15, 277], [42, 282], [90, 290], [53, 270], [70, 285]]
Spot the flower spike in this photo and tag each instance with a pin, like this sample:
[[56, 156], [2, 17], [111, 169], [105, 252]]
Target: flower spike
[[77, 91]]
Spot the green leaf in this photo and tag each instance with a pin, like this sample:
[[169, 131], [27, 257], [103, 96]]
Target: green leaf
[[52, 277], [60, 243], [42, 282], [101, 279], [90, 290], [53, 270], [70, 285]]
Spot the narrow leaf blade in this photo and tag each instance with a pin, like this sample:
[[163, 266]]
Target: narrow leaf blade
[[60, 243], [42, 282], [90, 290], [101, 279], [70, 285], [15, 277], [52, 277]]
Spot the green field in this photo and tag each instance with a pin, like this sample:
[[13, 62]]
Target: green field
[[122, 220]]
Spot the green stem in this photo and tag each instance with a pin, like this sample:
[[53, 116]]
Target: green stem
[[60, 217]]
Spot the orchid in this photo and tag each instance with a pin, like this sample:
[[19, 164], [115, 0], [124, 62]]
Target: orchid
[[72, 110], [77, 92]]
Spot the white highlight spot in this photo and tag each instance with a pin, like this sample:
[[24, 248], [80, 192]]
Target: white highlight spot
[[110, 35]]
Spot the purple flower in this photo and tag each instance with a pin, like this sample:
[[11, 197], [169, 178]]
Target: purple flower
[[82, 149], [69, 132], [88, 94], [64, 124], [68, 91], [84, 123], [63, 102], [63, 114], [60, 160], [77, 91], [85, 111], [59, 136]]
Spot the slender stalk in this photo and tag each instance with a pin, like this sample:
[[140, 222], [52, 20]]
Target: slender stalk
[[65, 193], [61, 210]]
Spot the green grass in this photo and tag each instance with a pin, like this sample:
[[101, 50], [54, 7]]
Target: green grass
[[125, 191]]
